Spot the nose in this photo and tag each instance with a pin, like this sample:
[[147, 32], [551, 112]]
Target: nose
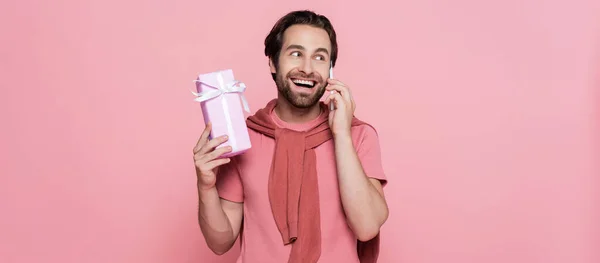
[[306, 66]]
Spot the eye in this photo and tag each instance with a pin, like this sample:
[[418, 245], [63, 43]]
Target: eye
[[320, 57], [295, 54]]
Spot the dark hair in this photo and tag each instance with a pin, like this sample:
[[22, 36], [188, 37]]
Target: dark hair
[[274, 41]]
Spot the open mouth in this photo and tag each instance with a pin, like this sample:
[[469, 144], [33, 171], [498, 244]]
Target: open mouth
[[304, 83]]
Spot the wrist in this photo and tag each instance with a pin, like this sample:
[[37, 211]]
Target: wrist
[[207, 194], [342, 136]]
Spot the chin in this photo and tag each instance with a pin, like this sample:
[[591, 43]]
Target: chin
[[301, 93], [304, 100]]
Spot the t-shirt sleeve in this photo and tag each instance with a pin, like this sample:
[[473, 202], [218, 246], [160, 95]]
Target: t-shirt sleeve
[[369, 153], [229, 182]]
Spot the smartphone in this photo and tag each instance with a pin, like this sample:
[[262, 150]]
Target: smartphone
[[331, 106]]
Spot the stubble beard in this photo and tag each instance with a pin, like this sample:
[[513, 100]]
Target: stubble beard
[[301, 101]]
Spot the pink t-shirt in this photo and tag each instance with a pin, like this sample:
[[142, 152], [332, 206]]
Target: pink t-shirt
[[245, 179]]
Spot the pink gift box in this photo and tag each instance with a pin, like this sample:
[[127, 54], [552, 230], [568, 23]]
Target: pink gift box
[[223, 104]]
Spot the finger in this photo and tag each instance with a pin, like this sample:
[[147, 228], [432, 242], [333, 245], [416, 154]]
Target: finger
[[203, 138], [337, 100], [215, 154], [335, 82], [209, 166], [344, 91], [328, 98], [212, 144]]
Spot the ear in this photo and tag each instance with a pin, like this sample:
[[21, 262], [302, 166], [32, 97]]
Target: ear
[[272, 66]]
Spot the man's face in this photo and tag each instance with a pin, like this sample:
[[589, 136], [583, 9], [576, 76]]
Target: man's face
[[303, 65]]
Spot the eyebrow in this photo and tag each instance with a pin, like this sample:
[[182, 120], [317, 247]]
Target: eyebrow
[[302, 48]]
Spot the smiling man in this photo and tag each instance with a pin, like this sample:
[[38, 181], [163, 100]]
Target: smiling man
[[311, 187]]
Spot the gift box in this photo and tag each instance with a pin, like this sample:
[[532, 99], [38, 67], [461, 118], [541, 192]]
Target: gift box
[[223, 104]]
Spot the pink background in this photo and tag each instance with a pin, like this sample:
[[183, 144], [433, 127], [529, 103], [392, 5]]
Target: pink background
[[487, 112]]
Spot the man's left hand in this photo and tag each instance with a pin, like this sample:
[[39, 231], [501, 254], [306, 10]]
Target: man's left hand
[[340, 118]]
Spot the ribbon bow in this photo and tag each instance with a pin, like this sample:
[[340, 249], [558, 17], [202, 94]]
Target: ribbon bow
[[222, 88]]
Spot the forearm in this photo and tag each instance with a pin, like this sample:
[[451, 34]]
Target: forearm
[[214, 223], [365, 207]]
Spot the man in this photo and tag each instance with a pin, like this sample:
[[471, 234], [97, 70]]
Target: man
[[310, 188]]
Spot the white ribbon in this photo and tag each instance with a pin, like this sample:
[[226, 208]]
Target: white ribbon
[[222, 88]]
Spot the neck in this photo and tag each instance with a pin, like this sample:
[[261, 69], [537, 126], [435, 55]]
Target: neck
[[291, 114]]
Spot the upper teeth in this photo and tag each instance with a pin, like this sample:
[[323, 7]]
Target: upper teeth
[[305, 82]]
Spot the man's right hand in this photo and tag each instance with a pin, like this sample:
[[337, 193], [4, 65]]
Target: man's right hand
[[207, 158], [220, 220]]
